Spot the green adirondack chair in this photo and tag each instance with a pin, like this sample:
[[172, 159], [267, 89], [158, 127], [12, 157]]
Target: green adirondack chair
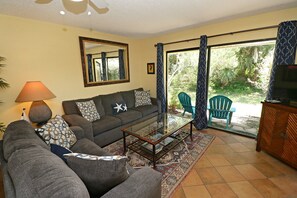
[[220, 108], [185, 100]]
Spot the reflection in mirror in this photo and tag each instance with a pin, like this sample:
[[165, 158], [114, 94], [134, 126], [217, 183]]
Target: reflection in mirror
[[104, 62]]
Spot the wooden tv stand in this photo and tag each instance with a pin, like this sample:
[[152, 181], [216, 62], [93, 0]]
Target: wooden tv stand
[[278, 132]]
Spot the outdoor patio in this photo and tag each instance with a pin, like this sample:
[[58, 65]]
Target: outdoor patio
[[244, 125], [245, 121]]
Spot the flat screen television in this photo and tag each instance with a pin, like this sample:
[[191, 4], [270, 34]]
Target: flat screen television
[[285, 85]]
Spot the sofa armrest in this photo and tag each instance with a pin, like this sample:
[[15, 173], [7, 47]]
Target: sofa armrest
[[144, 183], [86, 146], [77, 120], [78, 131], [9, 189], [156, 101]]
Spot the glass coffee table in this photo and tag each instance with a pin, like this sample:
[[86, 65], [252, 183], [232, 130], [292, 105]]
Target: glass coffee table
[[156, 136]]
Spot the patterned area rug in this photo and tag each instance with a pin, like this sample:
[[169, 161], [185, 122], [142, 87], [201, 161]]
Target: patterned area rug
[[175, 165]]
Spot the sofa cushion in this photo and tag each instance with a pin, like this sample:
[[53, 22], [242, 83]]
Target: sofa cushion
[[105, 123], [119, 107], [108, 100], [146, 109], [142, 98], [98, 102], [99, 173], [78, 131], [70, 107], [108, 137], [57, 131], [129, 97], [20, 134], [89, 147], [129, 116], [36, 172], [88, 110]]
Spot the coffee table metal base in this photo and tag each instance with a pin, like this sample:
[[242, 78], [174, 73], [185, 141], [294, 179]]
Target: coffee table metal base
[[137, 145]]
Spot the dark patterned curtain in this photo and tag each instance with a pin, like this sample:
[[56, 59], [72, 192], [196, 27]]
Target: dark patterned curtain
[[160, 77], [103, 58], [121, 64], [201, 103], [90, 69], [285, 50]]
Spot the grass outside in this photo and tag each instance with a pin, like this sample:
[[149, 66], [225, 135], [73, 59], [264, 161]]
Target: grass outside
[[240, 93]]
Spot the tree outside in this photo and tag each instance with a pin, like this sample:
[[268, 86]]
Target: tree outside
[[241, 72], [182, 75], [113, 68]]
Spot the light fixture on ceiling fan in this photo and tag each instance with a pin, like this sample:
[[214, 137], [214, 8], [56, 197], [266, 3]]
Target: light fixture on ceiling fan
[[80, 6]]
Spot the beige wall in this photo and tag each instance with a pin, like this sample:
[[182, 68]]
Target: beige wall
[[49, 52]]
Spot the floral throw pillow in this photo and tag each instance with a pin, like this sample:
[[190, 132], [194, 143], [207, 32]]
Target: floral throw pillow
[[57, 131], [142, 98], [88, 110]]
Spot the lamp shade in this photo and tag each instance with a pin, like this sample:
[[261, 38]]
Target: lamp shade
[[34, 91]]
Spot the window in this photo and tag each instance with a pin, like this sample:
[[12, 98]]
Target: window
[[112, 68]]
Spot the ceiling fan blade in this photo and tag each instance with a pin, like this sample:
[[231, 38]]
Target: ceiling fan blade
[[101, 10], [99, 3], [97, 9], [43, 1], [75, 7]]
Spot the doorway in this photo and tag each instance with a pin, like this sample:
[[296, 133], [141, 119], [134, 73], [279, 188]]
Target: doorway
[[239, 71]]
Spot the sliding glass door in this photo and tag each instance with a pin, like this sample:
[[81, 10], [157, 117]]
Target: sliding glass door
[[241, 72]]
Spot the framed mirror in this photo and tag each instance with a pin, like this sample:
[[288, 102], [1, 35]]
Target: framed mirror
[[104, 62]]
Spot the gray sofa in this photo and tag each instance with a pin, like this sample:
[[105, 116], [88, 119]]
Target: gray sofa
[[30, 169], [108, 128]]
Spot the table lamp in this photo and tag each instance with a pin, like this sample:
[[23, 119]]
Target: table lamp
[[35, 91]]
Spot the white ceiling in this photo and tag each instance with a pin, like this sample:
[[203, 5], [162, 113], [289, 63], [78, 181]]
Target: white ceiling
[[144, 18]]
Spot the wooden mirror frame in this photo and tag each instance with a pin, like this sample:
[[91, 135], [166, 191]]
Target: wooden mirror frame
[[124, 46]]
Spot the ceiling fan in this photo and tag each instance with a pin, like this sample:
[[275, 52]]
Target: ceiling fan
[[80, 6]]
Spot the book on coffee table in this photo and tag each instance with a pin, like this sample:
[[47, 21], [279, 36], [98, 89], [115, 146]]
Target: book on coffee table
[[159, 146]]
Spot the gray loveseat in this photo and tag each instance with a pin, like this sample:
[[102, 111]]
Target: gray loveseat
[[108, 128], [31, 170]]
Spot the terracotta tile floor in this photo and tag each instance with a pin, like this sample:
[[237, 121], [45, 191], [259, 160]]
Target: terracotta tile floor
[[231, 167]]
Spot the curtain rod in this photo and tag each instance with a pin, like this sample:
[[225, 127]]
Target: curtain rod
[[223, 34], [105, 52]]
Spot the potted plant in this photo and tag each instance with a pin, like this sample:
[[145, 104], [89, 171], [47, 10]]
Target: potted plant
[[3, 85]]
